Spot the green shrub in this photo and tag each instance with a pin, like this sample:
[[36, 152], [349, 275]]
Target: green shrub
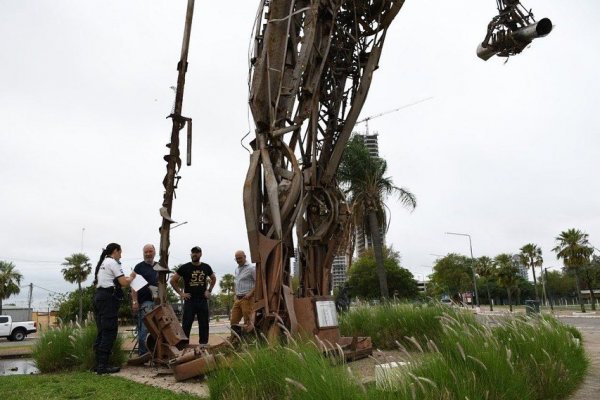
[[451, 356], [294, 372], [71, 347], [511, 361], [52, 350], [548, 353], [390, 323]]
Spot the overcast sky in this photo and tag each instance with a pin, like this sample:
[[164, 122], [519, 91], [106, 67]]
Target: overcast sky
[[506, 152]]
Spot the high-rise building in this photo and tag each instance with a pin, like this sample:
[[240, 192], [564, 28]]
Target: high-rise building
[[363, 240], [372, 143], [339, 271], [523, 270], [296, 264]]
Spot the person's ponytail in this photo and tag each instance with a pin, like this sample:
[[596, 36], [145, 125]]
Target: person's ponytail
[[100, 261], [105, 253]]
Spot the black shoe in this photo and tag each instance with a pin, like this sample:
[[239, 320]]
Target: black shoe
[[107, 369]]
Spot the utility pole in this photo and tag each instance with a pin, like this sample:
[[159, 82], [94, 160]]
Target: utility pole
[[173, 161], [30, 296]]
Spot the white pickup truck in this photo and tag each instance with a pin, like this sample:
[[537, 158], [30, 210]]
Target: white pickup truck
[[16, 330]]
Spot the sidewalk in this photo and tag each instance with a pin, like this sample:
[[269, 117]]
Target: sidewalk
[[557, 313]]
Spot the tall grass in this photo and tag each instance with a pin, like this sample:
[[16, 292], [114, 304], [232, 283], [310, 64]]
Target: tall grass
[[70, 347], [549, 353], [451, 357], [523, 358], [395, 322], [294, 372]]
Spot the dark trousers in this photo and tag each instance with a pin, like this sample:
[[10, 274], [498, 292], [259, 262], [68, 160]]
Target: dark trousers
[[192, 308], [106, 307]]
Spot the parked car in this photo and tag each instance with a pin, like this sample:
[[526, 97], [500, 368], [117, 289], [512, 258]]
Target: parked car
[[16, 331], [447, 301]]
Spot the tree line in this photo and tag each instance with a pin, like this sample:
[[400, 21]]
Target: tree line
[[452, 274]]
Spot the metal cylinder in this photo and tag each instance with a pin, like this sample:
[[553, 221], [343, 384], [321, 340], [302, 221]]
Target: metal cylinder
[[485, 53], [540, 29], [524, 35]]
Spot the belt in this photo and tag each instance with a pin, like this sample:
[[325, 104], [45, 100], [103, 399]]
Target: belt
[[106, 289], [240, 296]]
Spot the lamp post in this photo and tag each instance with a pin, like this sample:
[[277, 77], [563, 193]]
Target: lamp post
[[472, 263], [545, 293]]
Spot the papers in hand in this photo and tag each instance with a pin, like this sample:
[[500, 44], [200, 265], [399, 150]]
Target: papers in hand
[[138, 282]]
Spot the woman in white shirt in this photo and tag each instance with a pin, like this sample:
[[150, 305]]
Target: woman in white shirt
[[109, 278]]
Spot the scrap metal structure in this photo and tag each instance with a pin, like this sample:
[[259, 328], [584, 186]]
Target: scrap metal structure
[[312, 66], [511, 31]]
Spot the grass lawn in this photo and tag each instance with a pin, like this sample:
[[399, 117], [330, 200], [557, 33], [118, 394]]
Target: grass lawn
[[80, 385]]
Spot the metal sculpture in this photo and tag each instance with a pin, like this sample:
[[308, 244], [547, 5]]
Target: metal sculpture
[[312, 66], [166, 337], [513, 29]]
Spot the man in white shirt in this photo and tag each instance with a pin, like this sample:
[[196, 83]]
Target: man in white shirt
[[245, 280]]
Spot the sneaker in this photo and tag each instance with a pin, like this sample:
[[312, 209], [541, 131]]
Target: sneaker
[[107, 369]]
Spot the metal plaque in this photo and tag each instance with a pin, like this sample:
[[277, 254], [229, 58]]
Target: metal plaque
[[326, 314]]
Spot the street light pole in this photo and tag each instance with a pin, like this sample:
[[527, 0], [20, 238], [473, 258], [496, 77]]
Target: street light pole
[[472, 263], [545, 293]]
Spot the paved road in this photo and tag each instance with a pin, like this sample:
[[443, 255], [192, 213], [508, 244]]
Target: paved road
[[590, 329], [591, 323], [28, 341]]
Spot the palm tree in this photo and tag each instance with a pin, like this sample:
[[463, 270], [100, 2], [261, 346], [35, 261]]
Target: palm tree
[[531, 256], [363, 180], [10, 279], [591, 276], [76, 269], [484, 266], [507, 274], [227, 285], [575, 250]]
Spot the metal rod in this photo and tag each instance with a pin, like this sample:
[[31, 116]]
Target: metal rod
[[173, 157]]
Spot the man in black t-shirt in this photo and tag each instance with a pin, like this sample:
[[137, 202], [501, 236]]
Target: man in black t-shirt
[[142, 302], [195, 293]]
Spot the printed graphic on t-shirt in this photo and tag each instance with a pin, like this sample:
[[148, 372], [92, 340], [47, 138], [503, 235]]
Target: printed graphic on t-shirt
[[197, 278]]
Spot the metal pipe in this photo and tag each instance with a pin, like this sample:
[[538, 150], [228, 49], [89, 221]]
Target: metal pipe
[[540, 29], [524, 35], [485, 53]]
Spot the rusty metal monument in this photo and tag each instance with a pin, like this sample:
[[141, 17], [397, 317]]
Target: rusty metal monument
[[312, 66]]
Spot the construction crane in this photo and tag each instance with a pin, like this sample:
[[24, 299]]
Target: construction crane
[[367, 119]]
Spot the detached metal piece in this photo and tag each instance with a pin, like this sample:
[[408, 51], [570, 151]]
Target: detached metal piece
[[540, 29], [511, 31]]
